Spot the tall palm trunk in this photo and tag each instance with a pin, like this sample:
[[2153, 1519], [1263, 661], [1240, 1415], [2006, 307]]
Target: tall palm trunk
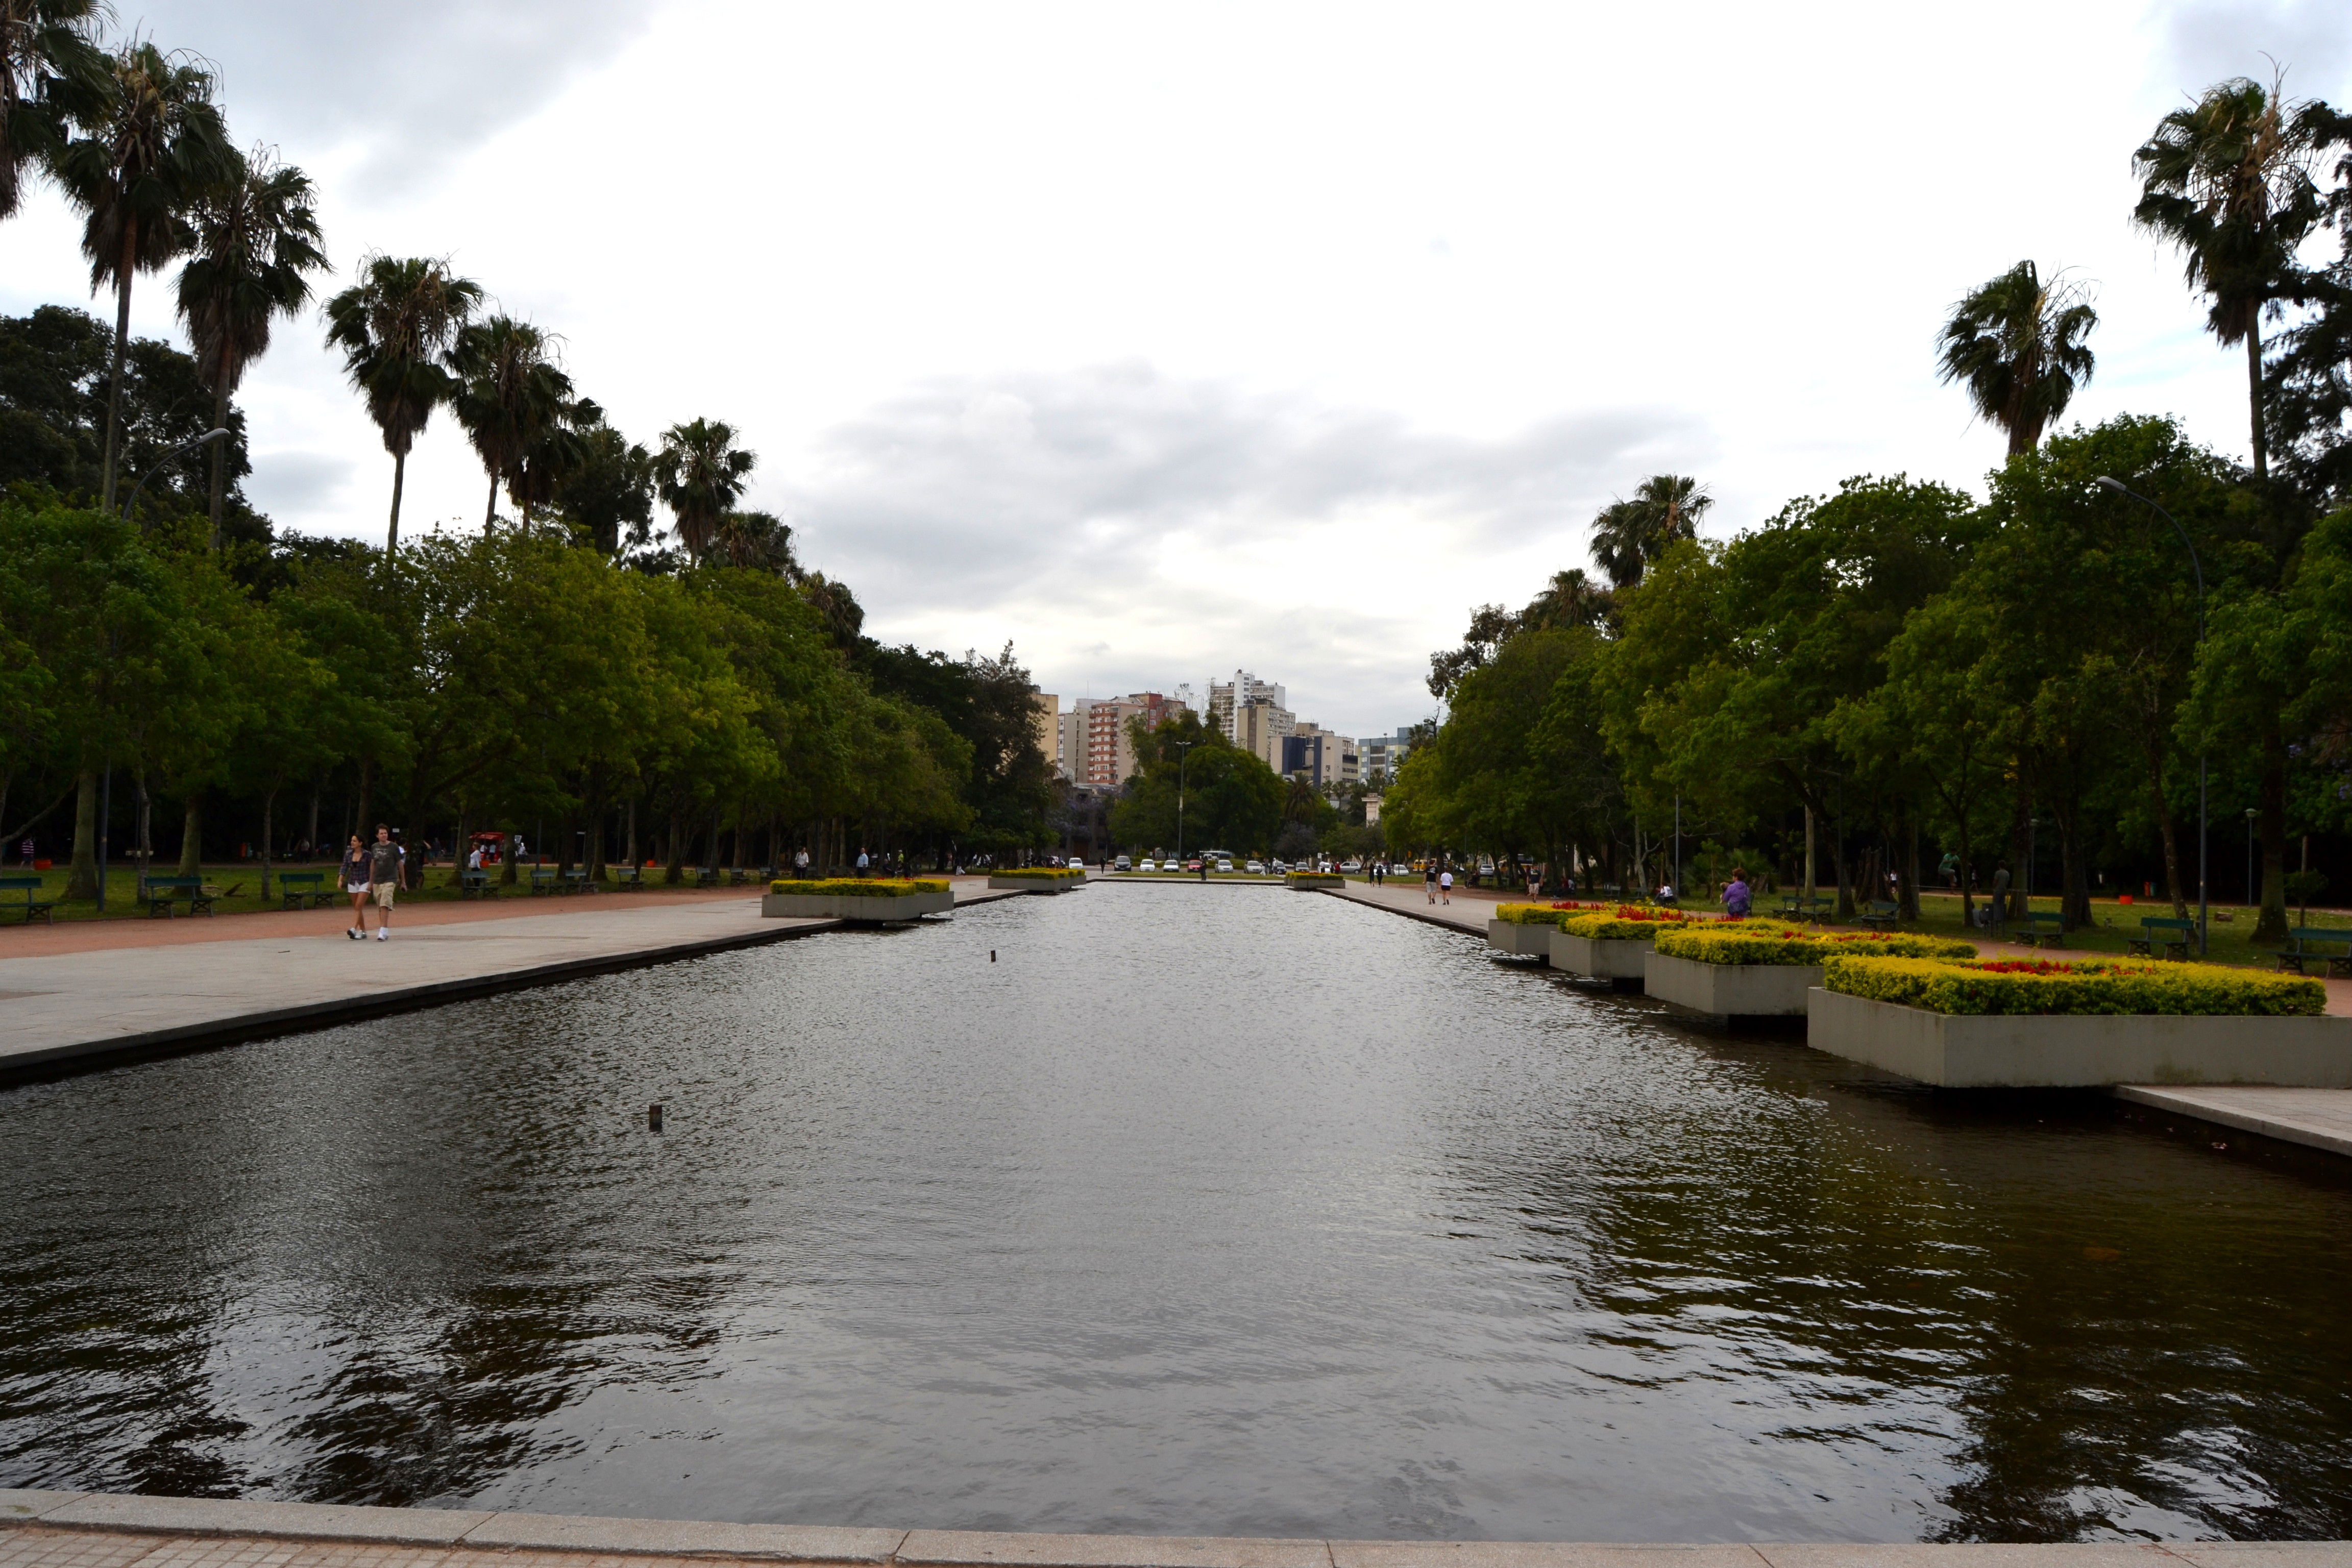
[[220, 468], [490, 513], [82, 882], [399, 474], [2255, 395], [121, 342]]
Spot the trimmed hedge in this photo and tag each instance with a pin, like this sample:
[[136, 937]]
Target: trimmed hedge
[[1541, 914], [1764, 942], [862, 887], [1627, 922], [2032, 987], [1044, 874]]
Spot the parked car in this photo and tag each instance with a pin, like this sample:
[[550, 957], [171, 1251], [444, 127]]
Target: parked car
[[1257, 867], [1121, 863], [1141, 865], [1351, 867], [1225, 868], [1279, 868]]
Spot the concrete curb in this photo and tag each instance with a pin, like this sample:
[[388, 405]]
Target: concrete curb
[[2193, 1105], [100, 1514]]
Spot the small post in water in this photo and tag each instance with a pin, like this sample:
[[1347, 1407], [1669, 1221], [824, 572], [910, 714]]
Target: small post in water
[[653, 1117]]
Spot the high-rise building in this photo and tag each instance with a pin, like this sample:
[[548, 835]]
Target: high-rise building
[[1380, 756], [1260, 727], [1320, 757], [1048, 718], [1227, 698]]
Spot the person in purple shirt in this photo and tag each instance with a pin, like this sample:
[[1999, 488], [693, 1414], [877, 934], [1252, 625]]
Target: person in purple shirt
[[1736, 897]]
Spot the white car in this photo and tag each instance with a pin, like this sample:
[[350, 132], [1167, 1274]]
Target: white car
[[1351, 867], [1145, 865], [1257, 867], [1278, 868], [1226, 867]]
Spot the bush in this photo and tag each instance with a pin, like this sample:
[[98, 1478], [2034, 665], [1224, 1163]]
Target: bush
[[861, 886], [1765, 941], [2044, 987], [1541, 914]]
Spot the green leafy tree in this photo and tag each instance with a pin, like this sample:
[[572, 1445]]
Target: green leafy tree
[[394, 328], [150, 145], [1230, 800], [256, 239], [2016, 343]]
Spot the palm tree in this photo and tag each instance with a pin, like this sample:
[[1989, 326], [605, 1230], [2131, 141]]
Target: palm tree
[[1570, 599], [1628, 535], [256, 237], [148, 148], [2017, 342], [701, 475], [2228, 180], [50, 71], [510, 392], [560, 450], [393, 326], [759, 540]]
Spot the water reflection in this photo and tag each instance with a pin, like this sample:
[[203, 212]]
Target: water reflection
[[1199, 1212]]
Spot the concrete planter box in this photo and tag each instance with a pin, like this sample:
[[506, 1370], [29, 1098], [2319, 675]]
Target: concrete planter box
[[1313, 882], [1521, 942], [850, 907], [1613, 958], [1731, 990], [1035, 884], [2095, 1050]]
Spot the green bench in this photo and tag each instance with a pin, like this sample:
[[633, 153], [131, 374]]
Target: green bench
[[1881, 915], [575, 880], [475, 885], [626, 876], [2044, 928], [2162, 931], [2304, 944], [304, 889], [542, 880], [30, 902], [165, 894], [1797, 907]]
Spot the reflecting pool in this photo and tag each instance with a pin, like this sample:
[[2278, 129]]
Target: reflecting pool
[[1199, 1210]]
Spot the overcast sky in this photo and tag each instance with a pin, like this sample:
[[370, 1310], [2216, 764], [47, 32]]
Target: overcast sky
[[1166, 340]]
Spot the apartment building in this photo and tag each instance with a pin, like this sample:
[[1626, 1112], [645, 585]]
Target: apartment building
[[1048, 718], [1228, 698], [1260, 727], [1319, 757], [1379, 757]]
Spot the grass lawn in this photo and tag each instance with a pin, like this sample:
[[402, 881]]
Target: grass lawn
[[240, 885]]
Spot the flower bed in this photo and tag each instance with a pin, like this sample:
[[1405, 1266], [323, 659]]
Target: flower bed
[[858, 887], [1769, 941], [1627, 922], [2045, 988]]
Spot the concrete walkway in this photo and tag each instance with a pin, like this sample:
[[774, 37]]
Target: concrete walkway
[[152, 990], [74, 1529]]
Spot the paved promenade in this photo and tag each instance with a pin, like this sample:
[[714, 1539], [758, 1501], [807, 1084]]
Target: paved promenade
[[94, 992], [2315, 1117], [73, 1530]]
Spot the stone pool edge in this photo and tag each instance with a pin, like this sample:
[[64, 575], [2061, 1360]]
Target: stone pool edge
[[204, 1519]]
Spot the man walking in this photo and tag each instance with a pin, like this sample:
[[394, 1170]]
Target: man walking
[[385, 858], [1429, 880]]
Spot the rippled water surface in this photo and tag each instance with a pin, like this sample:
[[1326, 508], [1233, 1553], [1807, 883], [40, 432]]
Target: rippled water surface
[[1202, 1210]]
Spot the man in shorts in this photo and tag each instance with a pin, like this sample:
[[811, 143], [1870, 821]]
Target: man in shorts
[[383, 878]]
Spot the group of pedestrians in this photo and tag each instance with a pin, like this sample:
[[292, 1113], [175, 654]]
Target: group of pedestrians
[[370, 875]]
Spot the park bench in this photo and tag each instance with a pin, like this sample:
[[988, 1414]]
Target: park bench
[[708, 876], [1797, 907], [575, 880], [1881, 915], [30, 902], [2162, 931], [475, 885], [304, 889], [2044, 928], [625, 876], [542, 880], [164, 896], [2307, 943]]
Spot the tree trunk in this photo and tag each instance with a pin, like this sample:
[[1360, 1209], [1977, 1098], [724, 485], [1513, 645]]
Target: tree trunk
[[490, 517], [1844, 911], [2262, 447], [268, 810], [1808, 883], [146, 837], [1910, 886], [82, 882], [392, 535], [114, 378], [359, 818], [311, 839], [219, 491], [674, 852], [2271, 926], [633, 830], [2020, 842], [507, 859], [2168, 835], [191, 835]]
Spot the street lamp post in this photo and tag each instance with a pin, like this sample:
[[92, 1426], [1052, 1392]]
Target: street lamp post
[[2197, 566], [205, 439], [1183, 756]]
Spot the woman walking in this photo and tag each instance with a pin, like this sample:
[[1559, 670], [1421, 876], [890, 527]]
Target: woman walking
[[354, 877]]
